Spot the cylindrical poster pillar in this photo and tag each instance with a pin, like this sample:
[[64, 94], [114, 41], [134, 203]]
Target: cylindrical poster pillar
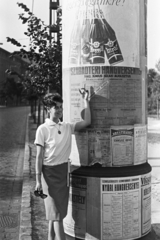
[[105, 51]]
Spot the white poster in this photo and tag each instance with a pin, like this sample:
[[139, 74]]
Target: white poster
[[121, 208], [146, 203], [104, 32], [79, 153], [91, 146], [99, 147], [140, 144], [75, 221], [115, 94], [122, 141]]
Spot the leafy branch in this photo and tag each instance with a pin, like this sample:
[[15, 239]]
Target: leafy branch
[[44, 55]]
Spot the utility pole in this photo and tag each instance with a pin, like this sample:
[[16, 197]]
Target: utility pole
[[32, 6], [52, 18], [53, 23]]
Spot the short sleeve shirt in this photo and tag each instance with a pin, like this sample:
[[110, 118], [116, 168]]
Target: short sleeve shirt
[[56, 140]]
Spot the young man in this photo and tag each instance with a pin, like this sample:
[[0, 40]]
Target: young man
[[53, 141]]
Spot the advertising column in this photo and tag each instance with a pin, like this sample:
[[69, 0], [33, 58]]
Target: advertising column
[[104, 50]]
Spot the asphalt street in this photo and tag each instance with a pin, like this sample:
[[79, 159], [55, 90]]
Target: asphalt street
[[12, 140]]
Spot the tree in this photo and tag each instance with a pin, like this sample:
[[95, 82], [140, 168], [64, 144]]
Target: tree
[[153, 90], [44, 57], [152, 74]]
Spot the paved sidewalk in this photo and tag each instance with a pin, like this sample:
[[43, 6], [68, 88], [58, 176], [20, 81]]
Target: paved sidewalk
[[33, 225]]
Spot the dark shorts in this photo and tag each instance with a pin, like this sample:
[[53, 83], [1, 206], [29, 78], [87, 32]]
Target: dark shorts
[[54, 184]]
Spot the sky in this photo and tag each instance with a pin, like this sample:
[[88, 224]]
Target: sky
[[11, 26], [153, 33]]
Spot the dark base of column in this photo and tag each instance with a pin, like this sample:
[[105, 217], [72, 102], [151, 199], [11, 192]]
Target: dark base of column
[[148, 236]]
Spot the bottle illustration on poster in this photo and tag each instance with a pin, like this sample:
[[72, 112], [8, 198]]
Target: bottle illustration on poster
[[93, 40]]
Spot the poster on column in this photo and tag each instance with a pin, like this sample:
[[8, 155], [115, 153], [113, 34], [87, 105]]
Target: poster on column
[[140, 144], [99, 147], [146, 203], [79, 153], [122, 142], [91, 146], [92, 33], [120, 208], [115, 95], [75, 221]]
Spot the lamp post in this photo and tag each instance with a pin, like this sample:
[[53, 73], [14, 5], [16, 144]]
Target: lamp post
[[32, 5]]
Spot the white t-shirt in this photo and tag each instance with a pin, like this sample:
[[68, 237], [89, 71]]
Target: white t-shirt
[[57, 147]]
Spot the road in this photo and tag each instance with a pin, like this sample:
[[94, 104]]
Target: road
[[12, 140]]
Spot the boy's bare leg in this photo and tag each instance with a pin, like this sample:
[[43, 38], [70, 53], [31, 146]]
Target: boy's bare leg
[[59, 230], [51, 233]]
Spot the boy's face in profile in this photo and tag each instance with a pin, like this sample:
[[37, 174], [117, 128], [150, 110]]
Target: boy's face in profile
[[56, 111]]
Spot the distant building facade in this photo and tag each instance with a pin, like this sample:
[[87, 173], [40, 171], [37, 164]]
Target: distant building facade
[[13, 63]]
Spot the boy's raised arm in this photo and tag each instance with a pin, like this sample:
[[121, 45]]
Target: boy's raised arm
[[87, 114]]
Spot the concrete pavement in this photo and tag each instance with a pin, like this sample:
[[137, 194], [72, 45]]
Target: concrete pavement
[[33, 225]]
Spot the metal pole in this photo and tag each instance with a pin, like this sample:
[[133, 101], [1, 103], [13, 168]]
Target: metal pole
[[32, 5], [50, 20]]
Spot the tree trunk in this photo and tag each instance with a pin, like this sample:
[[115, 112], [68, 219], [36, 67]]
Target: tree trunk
[[39, 113]]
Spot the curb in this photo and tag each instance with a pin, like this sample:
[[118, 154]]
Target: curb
[[25, 229]]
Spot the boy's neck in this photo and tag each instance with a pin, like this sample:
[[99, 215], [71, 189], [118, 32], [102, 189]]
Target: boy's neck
[[56, 120]]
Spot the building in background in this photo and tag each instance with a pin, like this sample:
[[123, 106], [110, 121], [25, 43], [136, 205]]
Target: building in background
[[10, 84]]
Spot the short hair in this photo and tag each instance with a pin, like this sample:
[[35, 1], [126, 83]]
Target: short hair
[[50, 99]]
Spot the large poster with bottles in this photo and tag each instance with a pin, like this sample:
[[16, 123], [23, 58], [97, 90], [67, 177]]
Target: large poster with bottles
[[92, 33]]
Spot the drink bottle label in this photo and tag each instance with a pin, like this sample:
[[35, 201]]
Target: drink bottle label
[[97, 52], [92, 38], [85, 52], [74, 53], [113, 51]]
